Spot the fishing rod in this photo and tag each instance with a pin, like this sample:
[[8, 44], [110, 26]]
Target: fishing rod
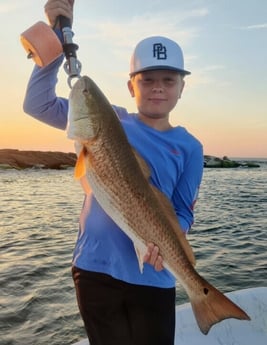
[[72, 66], [43, 46]]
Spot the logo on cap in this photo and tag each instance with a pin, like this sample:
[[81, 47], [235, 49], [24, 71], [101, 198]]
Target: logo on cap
[[159, 51]]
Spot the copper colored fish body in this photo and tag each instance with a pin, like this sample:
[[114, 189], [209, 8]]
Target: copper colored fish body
[[108, 166]]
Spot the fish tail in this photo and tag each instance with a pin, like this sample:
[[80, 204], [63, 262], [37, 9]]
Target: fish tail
[[211, 306]]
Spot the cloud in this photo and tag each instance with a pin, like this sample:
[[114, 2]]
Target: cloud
[[207, 75], [213, 68], [255, 27], [116, 37], [169, 23], [8, 6]]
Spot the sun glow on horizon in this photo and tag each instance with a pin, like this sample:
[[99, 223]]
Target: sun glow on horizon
[[224, 101]]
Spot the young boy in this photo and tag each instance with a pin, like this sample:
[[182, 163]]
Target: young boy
[[118, 304]]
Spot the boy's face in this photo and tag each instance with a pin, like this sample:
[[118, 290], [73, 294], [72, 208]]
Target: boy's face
[[156, 92]]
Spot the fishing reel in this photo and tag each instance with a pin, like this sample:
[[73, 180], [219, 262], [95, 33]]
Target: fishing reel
[[43, 46]]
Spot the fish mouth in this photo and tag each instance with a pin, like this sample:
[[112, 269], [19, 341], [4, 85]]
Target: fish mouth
[[85, 117]]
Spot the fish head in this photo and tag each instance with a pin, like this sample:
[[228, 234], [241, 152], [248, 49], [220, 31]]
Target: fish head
[[84, 115]]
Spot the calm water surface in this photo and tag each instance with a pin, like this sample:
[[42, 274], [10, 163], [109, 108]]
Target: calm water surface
[[39, 212]]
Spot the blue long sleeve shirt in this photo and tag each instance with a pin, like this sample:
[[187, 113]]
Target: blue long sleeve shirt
[[175, 158]]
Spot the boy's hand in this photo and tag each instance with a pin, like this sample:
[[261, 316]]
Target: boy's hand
[[153, 258], [55, 8]]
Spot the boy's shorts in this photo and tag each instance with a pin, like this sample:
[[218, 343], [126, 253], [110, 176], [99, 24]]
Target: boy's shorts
[[118, 313]]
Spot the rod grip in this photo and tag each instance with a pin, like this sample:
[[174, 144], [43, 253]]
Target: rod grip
[[64, 22]]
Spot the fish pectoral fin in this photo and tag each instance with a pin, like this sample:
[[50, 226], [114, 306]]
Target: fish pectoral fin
[[80, 167], [85, 185], [172, 217], [140, 250]]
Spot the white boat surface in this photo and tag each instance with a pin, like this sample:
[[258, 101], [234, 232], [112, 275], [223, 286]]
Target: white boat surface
[[230, 331]]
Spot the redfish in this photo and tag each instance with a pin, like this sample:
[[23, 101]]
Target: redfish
[[119, 178]]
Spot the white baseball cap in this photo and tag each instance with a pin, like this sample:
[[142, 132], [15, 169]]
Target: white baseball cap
[[155, 53]]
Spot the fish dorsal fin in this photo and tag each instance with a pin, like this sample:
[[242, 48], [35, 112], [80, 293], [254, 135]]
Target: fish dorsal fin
[[168, 209], [142, 163]]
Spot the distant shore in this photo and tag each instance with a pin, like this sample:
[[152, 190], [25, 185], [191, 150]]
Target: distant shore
[[19, 159]]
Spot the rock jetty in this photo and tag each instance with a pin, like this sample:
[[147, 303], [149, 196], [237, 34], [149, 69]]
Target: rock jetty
[[225, 162], [17, 159]]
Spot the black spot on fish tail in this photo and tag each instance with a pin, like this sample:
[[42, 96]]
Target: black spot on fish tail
[[206, 291]]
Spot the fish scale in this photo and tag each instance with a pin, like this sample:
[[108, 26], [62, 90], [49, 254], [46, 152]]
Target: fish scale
[[118, 177]]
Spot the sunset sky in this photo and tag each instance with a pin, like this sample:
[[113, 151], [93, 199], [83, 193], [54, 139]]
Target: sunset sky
[[224, 102]]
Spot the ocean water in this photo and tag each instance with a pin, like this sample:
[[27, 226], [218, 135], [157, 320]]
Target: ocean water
[[39, 213]]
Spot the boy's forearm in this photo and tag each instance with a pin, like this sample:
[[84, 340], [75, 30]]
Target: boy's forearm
[[40, 99]]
